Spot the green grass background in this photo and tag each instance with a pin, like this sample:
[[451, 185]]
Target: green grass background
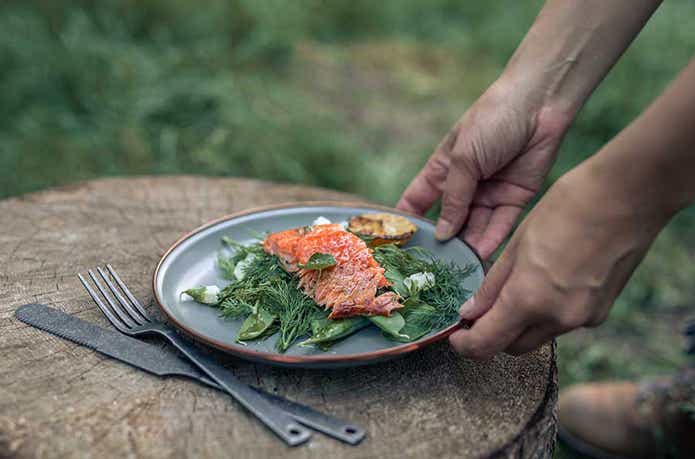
[[345, 94]]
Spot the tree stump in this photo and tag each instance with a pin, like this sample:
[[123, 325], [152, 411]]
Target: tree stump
[[58, 399]]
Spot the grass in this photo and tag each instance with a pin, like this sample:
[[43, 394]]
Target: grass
[[351, 95]]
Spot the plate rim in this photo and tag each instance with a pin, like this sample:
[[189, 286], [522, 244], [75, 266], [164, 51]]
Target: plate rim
[[282, 359]]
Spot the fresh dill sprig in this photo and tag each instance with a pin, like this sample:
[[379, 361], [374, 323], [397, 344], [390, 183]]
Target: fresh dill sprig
[[231, 308], [448, 293], [257, 274], [226, 262], [226, 265], [294, 309], [266, 283], [405, 261]]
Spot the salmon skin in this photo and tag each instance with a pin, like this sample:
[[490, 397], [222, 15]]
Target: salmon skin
[[350, 287]]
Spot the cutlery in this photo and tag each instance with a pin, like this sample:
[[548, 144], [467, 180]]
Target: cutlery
[[130, 318], [164, 362]]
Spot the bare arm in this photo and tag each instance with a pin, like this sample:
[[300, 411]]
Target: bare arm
[[496, 157], [575, 251], [572, 45]]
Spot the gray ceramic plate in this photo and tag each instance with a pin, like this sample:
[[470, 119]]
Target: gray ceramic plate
[[191, 261]]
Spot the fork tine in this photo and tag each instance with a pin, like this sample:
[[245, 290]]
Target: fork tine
[[130, 296], [125, 304], [107, 312], [119, 312]]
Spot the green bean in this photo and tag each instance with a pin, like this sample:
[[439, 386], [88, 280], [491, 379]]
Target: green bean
[[326, 330], [391, 325]]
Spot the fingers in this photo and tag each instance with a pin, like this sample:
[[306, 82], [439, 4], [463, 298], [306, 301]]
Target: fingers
[[487, 228], [532, 338], [458, 193], [490, 334], [476, 225], [499, 226], [427, 186]]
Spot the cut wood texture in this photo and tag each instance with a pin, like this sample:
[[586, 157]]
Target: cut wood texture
[[58, 399]]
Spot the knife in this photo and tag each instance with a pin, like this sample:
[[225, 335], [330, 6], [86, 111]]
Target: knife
[[165, 362]]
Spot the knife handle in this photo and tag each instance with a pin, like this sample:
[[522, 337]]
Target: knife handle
[[272, 416]]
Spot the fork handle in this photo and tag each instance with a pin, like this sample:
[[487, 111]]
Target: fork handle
[[273, 417]]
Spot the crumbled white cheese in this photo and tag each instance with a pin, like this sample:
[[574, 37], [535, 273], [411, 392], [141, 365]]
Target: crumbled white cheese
[[321, 221], [240, 268], [210, 294], [418, 282]]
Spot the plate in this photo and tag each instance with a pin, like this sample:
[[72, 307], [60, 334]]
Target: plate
[[190, 261]]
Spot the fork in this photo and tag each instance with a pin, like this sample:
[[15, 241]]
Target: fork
[[129, 317]]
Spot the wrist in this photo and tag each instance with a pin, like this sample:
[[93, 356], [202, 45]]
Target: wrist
[[550, 117]]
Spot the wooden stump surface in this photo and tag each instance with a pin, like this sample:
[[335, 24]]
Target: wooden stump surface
[[58, 399]]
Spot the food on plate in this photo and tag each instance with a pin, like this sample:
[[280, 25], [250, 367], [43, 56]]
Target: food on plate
[[349, 287], [382, 228], [321, 283]]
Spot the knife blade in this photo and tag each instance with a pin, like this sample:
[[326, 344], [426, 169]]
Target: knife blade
[[165, 362]]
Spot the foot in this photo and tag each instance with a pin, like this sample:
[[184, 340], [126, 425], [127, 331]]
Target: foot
[[624, 420], [604, 417]]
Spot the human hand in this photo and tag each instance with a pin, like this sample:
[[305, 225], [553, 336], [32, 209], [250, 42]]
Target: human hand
[[562, 269], [489, 166]]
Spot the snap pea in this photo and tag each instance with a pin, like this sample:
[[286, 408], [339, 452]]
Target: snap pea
[[256, 324], [326, 330], [391, 325]]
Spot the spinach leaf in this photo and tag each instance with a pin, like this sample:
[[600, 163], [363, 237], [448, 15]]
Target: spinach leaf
[[318, 261], [295, 311], [420, 319], [396, 278]]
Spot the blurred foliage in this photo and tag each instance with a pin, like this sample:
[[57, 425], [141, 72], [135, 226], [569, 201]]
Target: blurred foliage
[[351, 95]]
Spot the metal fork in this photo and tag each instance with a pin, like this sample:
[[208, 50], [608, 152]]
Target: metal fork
[[129, 317]]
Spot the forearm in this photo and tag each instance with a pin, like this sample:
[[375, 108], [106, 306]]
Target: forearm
[[571, 46], [649, 168]]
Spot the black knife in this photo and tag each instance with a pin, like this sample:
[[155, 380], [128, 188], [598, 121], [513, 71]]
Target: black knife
[[165, 362]]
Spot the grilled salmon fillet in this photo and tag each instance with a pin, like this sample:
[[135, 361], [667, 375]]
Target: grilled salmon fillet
[[350, 287]]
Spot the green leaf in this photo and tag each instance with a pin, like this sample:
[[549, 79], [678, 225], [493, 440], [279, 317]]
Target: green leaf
[[232, 308], [396, 278], [319, 261], [391, 325], [256, 324], [420, 319], [226, 266]]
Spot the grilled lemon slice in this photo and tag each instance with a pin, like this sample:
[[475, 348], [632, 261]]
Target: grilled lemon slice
[[382, 228]]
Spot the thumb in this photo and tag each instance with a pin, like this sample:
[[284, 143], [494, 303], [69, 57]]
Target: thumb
[[483, 299]]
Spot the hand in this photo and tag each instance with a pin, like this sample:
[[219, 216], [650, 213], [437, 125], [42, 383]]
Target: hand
[[489, 166], [562, 269]]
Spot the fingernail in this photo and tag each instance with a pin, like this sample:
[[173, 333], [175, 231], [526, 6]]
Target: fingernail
[[443, 230], [467, 308]]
